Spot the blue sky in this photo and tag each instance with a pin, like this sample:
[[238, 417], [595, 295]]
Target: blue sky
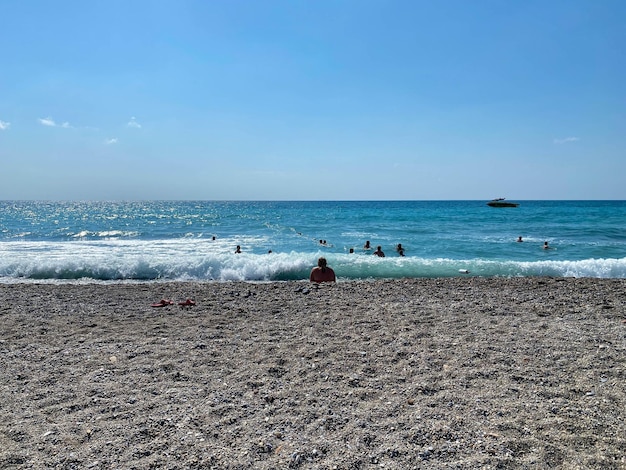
[[320, 99]]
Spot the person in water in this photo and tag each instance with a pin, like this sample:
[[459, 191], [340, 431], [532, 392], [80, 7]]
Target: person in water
[[367, 245], [379, 252], [546, 246], [322, 273], [519, 239], [238, 249], [399, 249]]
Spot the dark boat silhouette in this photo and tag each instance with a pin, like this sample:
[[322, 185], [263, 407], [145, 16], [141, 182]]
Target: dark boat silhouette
[[500, 202]]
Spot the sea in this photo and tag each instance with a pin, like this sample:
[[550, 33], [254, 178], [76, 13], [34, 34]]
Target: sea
[[147, 241]]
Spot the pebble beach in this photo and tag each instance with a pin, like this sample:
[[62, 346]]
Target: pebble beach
[[493, 373]]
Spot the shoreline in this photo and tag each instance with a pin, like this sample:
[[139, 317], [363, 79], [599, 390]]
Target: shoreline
[[463, 275], [408, 373]]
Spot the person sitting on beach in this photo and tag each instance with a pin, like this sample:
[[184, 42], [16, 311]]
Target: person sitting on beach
[[399, 249], [379, 252], [322, 273], [367, 245], [238, 249]]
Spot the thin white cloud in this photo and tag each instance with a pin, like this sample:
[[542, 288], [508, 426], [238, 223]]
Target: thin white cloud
[[47, 122], [133, 123], [112, 141], [52, 123], [566, 140], [4, 125]]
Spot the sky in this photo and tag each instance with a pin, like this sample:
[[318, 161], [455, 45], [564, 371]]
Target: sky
[[312, 100]]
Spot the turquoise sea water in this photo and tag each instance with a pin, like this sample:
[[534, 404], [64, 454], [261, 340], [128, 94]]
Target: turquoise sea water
[[174, 240]]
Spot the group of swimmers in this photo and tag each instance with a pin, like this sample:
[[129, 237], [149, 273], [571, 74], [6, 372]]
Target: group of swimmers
[[379, 251], [545, 244], [399, 248]]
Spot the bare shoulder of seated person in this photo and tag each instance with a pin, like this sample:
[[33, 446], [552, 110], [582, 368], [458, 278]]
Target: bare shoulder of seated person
[[322, 273]]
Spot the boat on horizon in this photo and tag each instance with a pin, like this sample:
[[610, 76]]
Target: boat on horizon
[[500, 202]]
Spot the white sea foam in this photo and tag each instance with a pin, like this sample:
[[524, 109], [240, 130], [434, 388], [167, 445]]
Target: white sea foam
[[195, 259]]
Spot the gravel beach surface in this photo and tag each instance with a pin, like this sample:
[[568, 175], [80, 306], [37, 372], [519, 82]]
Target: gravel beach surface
[[419, 373]]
